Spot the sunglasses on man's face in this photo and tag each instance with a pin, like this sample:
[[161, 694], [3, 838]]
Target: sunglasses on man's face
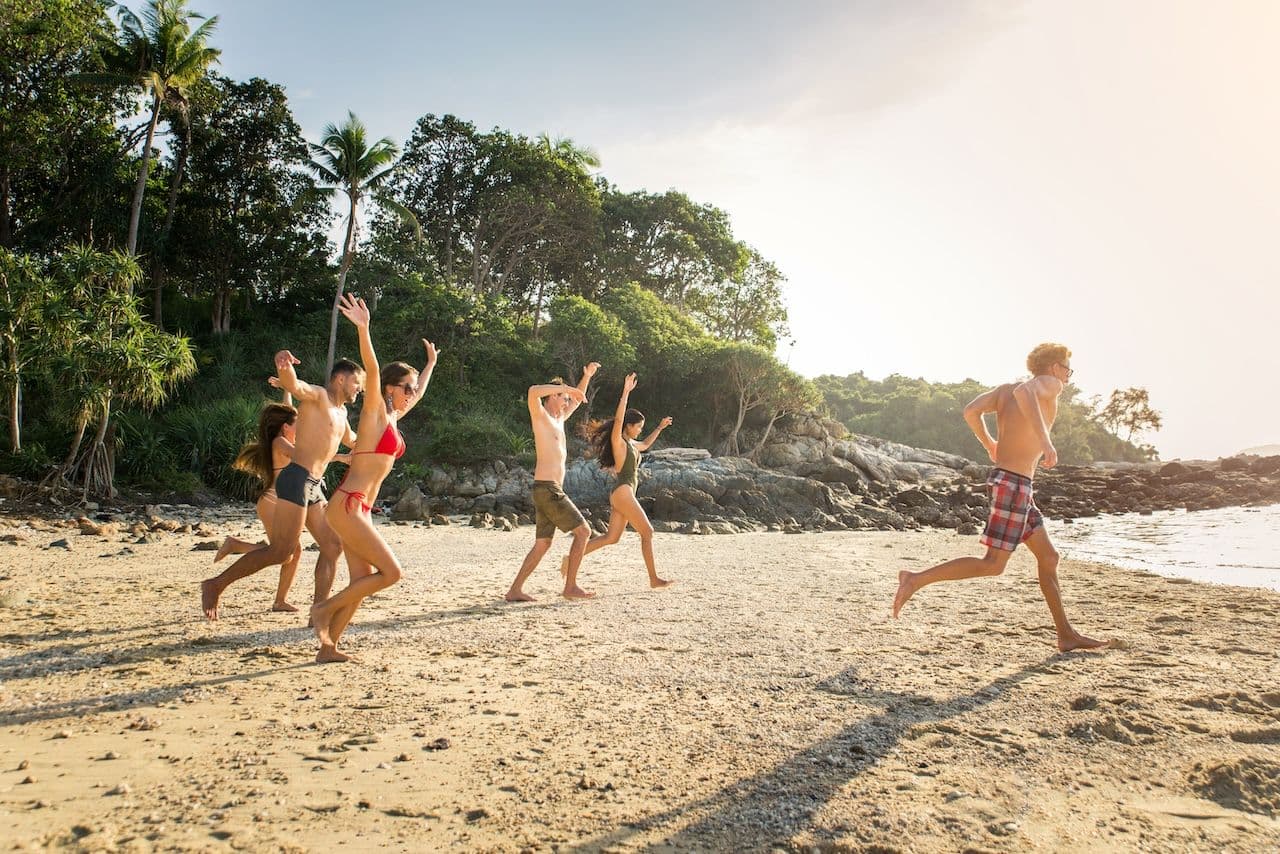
[[1066, 368]]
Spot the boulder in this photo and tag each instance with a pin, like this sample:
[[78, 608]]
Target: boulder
[[412, 506]]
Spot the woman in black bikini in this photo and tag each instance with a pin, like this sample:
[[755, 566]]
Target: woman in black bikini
[[370, 561], [614, 444]]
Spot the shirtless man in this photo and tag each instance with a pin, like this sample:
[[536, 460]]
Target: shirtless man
[[322, 424], [552, 506], [1024, 415]]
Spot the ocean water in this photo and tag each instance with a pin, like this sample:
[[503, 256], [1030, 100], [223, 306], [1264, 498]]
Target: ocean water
[[1232, 545]]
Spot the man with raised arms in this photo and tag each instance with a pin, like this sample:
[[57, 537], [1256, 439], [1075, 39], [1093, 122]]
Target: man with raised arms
[[322, 424], [549, 407], [1024, 416]]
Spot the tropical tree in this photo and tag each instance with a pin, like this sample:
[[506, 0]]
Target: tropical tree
[[164, 57], [579, 156], [746, 305], [346, 161], [29, 328], [1130, 408], [114, 357]]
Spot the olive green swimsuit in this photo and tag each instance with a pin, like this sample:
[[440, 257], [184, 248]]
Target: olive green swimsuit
[[628, 473]]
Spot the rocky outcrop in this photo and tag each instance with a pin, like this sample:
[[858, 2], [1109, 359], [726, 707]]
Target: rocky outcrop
[[1075, 491], [816, 476]]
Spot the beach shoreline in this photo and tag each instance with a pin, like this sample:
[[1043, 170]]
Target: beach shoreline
[[767, 701]]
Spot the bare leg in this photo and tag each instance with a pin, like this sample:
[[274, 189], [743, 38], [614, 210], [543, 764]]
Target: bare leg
[[992, 563], [236, 546], [286, 527], [580, 535], [330, 549], [516, 593], [617, 525], [625, 504], [1047, 566], [342, 617], [288, 570]]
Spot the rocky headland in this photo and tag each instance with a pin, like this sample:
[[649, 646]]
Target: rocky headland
[[816, 475]]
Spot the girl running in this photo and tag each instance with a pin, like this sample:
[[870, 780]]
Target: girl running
[[613, 442], [370, 561]]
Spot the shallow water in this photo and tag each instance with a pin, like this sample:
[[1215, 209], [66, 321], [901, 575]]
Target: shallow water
[[1232, 545]]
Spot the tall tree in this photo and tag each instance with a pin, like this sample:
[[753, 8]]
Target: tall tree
[[45, 48], [250, 221], [745, 306], [580, 156], [346, 161], [163, 57]]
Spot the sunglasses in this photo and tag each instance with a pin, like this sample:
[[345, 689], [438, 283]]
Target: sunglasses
[[407, 388], [1067, 369]]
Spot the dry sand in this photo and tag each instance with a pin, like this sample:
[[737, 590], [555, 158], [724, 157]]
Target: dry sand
[[766, 701]]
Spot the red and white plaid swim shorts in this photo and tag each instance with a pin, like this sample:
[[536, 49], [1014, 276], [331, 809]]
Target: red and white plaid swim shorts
[[1014, 515]]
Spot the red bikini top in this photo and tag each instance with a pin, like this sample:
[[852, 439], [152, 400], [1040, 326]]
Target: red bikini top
[[392, 443]]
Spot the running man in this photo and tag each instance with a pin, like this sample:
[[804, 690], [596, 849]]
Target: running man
[[549, 407], [322, 424], [1024, 416]]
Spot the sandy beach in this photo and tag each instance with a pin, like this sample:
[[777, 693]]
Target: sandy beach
[[767, 701]]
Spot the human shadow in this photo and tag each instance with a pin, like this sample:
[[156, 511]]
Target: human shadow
[[81, 706], [117, 652], [777, 803]]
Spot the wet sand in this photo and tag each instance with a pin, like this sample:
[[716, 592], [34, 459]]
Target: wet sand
[[766, 701]]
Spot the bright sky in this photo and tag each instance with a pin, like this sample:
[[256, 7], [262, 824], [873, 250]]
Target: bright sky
[[945, 184]]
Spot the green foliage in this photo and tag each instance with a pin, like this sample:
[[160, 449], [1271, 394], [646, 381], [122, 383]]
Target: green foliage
[[1131, 410], [931, 415]]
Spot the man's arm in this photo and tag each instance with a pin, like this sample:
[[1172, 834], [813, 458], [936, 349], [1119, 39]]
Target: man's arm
[[587, 373], [1027, 397], [289, 381], [538, 392], [657, 431], [973, 412]]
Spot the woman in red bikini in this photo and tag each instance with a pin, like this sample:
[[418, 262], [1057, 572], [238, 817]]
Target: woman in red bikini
[[370, 561]]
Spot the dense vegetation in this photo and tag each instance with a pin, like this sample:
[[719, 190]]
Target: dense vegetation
[[165, 229], [930, 415]]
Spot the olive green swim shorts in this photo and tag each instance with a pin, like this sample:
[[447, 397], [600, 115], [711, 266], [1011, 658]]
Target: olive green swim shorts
[[553, 509]]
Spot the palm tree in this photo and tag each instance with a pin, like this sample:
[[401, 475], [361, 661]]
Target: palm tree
[[346, 162], [163, 56], [580, 156]]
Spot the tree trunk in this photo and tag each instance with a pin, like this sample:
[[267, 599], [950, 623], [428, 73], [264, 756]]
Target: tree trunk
[[15, 414], [158, 272], [70, 460], [755, 452], [537, 309], [96, 474], [349, 250], [140, 188], [6, 223]]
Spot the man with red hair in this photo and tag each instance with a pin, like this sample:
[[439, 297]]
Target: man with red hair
[[1025, 413]]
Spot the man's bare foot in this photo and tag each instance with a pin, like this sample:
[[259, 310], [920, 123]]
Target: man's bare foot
[[576, 592], [905, 591], [209, 594], [657, 583], [223, 550], [328, 654], [1079, 641], [284, 607], [564, 566], [518, 596], [320, 625]]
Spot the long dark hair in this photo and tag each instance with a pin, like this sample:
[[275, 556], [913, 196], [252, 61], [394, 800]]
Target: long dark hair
[[393, 373], [599, 436], [255, 457]]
